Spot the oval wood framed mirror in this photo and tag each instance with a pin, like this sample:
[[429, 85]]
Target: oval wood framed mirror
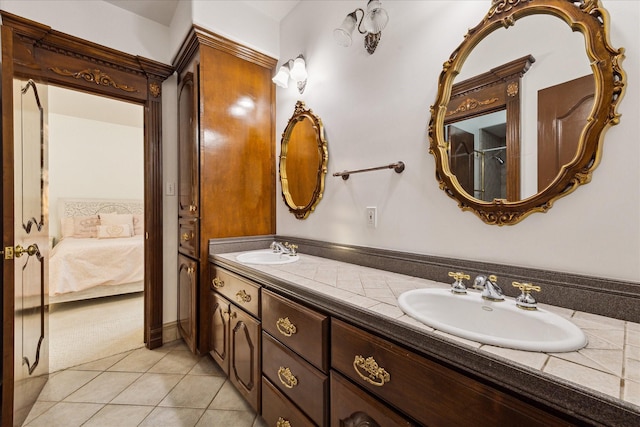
[[585, 20], [303, 161]]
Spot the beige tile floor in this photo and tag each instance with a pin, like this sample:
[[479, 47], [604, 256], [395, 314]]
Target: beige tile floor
[[165, 387]]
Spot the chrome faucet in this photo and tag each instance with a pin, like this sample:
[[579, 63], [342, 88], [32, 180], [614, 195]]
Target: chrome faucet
[[489, 286], [284, 248]]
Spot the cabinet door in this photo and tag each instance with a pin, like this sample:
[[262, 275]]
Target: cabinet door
[[188, 152], [187, 291], [244, 368], [219, 335]]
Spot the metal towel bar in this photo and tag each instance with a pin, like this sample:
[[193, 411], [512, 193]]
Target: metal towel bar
[[398, 167]]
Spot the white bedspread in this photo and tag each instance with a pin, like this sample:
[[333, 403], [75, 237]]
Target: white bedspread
[[78, 264]]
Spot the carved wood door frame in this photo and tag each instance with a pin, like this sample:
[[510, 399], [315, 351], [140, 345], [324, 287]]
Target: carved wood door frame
[[34, 51]]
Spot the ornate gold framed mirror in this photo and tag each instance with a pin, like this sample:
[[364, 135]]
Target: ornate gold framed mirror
[[303, 161], [504, 163]]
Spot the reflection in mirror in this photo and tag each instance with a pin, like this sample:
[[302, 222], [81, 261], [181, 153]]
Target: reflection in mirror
[[567, 99], [303, 161], [477, 154]]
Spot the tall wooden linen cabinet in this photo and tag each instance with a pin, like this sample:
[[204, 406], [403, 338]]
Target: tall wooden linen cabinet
[[226, 162]]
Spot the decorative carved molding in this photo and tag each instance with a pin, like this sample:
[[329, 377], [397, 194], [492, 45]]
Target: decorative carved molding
[[471, 104], [154, 89], [93, 76], [512, 89]]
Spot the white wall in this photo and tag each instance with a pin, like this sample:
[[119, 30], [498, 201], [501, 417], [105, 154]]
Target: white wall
[[375, 109], [96, 149]]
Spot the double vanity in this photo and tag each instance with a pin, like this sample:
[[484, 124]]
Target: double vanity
[[311, 340]]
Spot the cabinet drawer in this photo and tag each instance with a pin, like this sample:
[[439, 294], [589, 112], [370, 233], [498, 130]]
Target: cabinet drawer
[[241, 292], [351, 406], [423, 389], [189, 237], [298, 380], [278, 410], [299, 328]]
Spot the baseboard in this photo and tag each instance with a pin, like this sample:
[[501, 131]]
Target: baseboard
[[169, 332]]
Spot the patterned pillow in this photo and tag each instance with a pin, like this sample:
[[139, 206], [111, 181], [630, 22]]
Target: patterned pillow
[[116, 219], [85, 226], [113, 231]]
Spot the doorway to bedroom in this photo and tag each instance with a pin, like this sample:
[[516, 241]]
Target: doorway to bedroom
[[96, 217]]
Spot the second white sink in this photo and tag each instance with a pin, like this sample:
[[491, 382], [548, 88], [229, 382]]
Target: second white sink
[[495, 323], [266, 257]]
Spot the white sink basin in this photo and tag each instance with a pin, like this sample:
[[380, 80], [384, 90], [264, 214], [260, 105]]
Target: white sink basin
[[266, 257], [501, 324]]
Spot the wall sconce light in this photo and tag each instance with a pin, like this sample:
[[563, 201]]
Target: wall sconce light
[[373, 21], [294, 68]]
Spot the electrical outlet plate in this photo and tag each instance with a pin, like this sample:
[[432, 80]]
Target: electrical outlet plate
[[372, 216]]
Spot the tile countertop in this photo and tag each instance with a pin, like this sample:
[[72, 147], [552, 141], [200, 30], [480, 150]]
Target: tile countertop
[[609, 364]]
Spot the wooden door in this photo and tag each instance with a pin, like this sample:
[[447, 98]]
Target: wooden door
[[244, 352], [187, 294], [461, 154], [25, 250], [562, 116], [188, 153], [219, 336]]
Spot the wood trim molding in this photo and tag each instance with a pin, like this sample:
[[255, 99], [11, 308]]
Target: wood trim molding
[[200, 36], [33, 50]]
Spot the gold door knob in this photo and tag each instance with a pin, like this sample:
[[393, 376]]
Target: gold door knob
[[285, 327], [217, 283], [30, 251], [242, 296], [283, 423], [287, 378], [374, 374]]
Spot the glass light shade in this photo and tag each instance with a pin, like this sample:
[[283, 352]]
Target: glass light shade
[[298, 71], [282, 77], [376, 17], [343, 33]]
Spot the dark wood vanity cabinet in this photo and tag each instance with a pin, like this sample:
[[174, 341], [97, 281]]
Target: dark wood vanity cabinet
[[295, 362], [424, 390], [226, 153], [188, 270], [235, 330]]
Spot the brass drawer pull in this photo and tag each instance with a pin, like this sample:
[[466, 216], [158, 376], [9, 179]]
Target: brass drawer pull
[[287, 378], [283, 423], [285, 327], [193, 208], [190, 270], [217, 283], [242, 296], [186, 237], [375, 374]]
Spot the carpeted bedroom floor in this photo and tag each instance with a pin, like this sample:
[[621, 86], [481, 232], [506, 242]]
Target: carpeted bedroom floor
[[83, 331]]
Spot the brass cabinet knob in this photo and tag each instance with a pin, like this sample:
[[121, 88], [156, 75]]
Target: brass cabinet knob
[[374, 374], [283, 423], [242, 296], [217, 283], [285, 327], [190, 271], [186, 237], [287, 378], [193, 208]]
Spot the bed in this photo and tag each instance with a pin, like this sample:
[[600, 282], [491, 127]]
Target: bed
[[98, 250]]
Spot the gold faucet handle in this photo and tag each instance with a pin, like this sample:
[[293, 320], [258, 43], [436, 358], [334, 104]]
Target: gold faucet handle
[[459, 276], [526, 287]]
